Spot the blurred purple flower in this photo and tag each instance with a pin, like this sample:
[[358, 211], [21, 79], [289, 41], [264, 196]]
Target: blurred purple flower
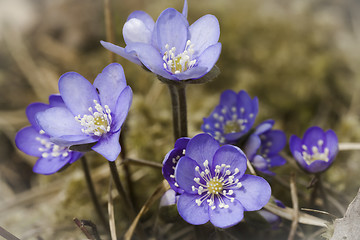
[[316, 151], [92, 113], [263, 146], [170, 161], [273, 219], [215, 186], [33, 141], [170, 47], [232, 118]]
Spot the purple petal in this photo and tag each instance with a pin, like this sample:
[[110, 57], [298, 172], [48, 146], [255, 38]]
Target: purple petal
[[109, 84], [193, 73], [135, 30], [169, 164], [75, 156], [245, 101], [226, 217], [295, 144], [252, 145], [26, 141], [50, 165], [32, 110], [121, 51], [69, 140], [123, 104], [277, 161], [277, 139], [169, 198], [254, 193], [209, 56], [332, 143], [55, 100], [171, 28], [151, 58], [77, 92], [190, 211], [109, 146], [264, 126], [144, 17], [185, 173], [204, 33], [228, 98], [58, 121], [202, 147], [317, 166], [259, 163], [182, 142], [233, 156], [312, 136]]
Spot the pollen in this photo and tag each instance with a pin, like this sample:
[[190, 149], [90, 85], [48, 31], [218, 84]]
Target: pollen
[[98, 122], [182, 61]]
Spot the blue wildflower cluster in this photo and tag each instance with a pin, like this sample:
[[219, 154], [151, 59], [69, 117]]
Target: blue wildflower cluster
[[208, 174]]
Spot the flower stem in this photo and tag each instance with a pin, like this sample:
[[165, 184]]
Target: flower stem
[[175, 110], [128, 204], [178, 102], [91, 188], [182, 110]]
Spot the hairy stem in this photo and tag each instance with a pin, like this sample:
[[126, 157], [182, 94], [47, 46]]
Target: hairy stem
[[129, 207], [182, 110], [175, 110], [92, 192]]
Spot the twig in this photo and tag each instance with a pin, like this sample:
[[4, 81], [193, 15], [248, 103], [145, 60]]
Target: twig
[[83, 229], [142, 162], [295, 203], [349, 146], [8, 236], [93, 196], [159, 191], [250, 167]]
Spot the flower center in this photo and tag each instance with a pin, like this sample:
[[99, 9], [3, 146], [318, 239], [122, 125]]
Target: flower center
[[181, 62], [233, 126], [317, 153], [217, 187], [50, 149], [214, 185], [98, 122]]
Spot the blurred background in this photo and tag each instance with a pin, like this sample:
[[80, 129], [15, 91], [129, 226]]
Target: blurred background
[[299, 57]]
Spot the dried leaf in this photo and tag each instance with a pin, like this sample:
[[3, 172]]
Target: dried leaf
[[348, 226]]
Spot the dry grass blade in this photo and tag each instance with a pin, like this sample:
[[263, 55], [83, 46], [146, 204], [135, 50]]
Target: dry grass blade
[[111, 213], [295, 203], [304, 218], [159, 191], [8, 236], [250, 167]]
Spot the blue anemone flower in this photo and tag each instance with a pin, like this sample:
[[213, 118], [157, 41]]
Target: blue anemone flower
[[93, 114], [215, 185], [170, 47], [232, 118], [263, 147], [170, 161], [316, 151], [33, 141]]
